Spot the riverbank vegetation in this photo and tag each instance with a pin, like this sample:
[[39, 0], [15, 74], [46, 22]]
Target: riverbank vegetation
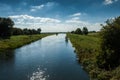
[[86, 47], [99, 53], [18, 41]]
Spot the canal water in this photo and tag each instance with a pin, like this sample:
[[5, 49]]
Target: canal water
[[51, 58]]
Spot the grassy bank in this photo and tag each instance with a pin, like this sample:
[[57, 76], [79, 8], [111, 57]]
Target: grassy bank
[[18, 41], [87, 48]]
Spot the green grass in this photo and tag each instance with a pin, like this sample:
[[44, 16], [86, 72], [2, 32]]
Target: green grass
[[96, 34], [87, 48], [85, 44], [18, 41]]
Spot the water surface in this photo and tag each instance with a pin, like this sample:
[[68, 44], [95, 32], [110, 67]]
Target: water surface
[[51, 58]]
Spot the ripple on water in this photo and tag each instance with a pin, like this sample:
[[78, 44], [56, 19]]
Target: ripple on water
[[39, 75]]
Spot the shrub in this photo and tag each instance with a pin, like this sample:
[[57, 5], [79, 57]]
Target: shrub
[[110, 46]]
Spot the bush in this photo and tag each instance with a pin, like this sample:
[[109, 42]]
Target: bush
[[109, 57], [104, 75]]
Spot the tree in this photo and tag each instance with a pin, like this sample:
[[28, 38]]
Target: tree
[[6, 25], [17, 31], [85, 30], [31, 31], [39, 30], [72, 31], [78, 31], [25, 31], [110, 45]]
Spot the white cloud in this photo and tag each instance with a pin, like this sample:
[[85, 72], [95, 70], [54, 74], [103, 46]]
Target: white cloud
[[75, 18], [34, 8], [26, 19], [50, 4], [75, 15], [107, 2], [51, 24], [46, 5], [76, 22]]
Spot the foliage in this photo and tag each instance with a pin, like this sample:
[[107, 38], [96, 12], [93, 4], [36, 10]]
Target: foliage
[[6, 25], [78, 31], [85, 30], [18, 31], [92, 31], [72, 31], [39, 30], [109, 57]]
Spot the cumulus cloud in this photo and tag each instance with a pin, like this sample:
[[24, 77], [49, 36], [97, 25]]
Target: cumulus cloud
[[51, 24], [31, 19], [27, 21], [107, 2]]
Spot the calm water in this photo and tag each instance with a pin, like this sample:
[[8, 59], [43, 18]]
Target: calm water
[[51, 58]]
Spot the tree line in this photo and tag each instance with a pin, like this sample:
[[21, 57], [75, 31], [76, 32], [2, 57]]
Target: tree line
[[79, 31], [7, 29], [25, 31]]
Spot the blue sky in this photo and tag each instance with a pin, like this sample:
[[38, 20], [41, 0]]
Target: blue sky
[[59, 15]]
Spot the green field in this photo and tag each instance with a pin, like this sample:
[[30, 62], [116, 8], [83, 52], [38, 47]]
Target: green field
[[87, 48], [18, 41]]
